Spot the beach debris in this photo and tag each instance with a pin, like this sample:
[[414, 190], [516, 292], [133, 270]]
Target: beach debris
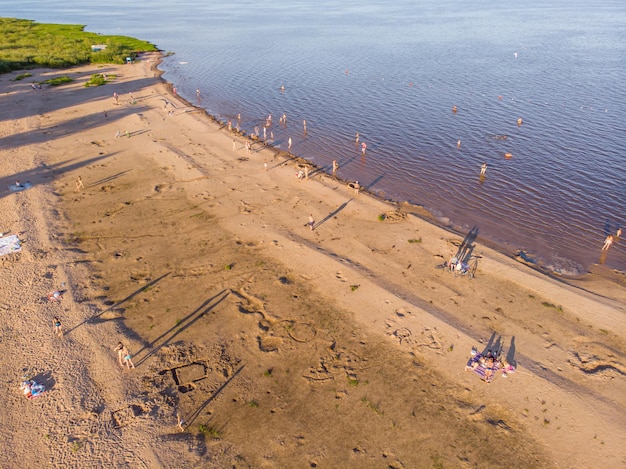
[[55, 296], [394, 216], [31, 388], [9, 244], [525, 257]]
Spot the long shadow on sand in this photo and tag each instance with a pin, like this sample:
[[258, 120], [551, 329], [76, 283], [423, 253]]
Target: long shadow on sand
[[199, 410], [43, 101], [40, 175], [333, 213], [181, 325], [95, 319], [467, 246]]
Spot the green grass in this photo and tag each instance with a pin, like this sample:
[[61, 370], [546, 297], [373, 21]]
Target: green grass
[[415, 240], [552, 305], [97, 80], [209, 431], [371, 405], [21, 76], [58, 81], [27, 44]]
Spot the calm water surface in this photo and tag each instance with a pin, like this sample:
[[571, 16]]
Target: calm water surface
[[393, 74]]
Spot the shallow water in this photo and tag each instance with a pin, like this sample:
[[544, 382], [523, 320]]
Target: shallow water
[[393, 74]]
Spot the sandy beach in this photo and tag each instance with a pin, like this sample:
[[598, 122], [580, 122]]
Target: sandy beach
[[258, 341]]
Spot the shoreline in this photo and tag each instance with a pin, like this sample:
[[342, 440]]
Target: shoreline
[[543, 256], [535, 262], [196, 258]]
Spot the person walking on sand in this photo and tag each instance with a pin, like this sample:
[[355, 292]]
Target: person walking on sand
[[311, 222], [116, 97], [79, 184], [120, 353], [607, 242], [483, 169], [56, 322], [127, 358], [123, 356], [357, 187], [234, 145]]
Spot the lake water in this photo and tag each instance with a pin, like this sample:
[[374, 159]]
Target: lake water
[[393, 73]]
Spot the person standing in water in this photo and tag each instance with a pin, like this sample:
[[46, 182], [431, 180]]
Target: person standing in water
[[483, 169]]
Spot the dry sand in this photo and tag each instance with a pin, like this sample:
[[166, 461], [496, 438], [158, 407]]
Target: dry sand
[[276, 345]]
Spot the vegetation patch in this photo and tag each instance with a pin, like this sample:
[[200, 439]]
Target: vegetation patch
[[21, 76], [552, 305], [97, 79], [27, 44], [58, 81], [209, 431]]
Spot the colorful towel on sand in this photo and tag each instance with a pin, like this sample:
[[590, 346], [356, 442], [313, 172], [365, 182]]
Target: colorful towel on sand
[[22, 187], [488, 367], [9, 244], [481, 371]]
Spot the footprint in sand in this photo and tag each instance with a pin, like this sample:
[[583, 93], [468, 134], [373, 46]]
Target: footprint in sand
[[340, 276]]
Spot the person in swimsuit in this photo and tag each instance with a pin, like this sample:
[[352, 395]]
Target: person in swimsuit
[[57, 326], [127, 358], [483, 169]]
